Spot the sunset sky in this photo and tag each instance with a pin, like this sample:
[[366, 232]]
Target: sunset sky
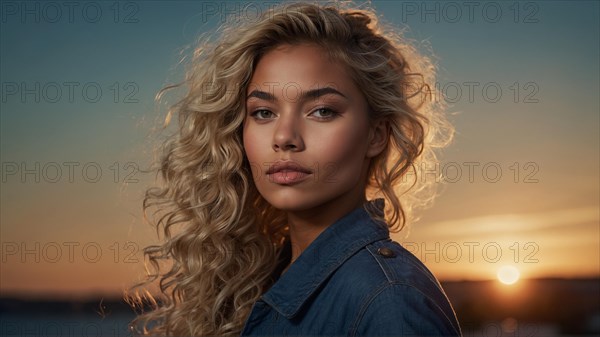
[[77, 101]]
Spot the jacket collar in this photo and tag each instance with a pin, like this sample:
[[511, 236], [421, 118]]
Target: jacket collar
[[323, 256]]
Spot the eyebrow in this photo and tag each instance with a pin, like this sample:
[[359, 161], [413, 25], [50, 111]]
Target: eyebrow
[[310, 94]]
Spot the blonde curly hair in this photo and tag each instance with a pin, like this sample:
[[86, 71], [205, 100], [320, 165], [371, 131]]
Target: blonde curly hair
[[221, 239]]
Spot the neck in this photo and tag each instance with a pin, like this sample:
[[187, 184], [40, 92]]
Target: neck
[[305, 226]]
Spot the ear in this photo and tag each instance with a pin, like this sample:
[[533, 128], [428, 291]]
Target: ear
[[378, 138]]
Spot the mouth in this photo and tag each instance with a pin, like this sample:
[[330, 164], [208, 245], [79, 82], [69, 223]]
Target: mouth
[[287, 172], [288, 165]]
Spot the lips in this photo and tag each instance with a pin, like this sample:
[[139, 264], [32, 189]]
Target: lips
[[287, 172], [287, 165]]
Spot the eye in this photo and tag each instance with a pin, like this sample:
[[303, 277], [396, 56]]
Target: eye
[[324, 113], [262, 114]]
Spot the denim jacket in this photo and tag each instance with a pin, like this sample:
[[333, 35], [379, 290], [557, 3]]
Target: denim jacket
[[353, 280]]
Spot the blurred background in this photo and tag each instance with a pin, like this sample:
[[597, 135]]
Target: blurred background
[[513, 237]]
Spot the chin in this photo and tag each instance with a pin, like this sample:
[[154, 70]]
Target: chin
[[293, 202], [290, 205]]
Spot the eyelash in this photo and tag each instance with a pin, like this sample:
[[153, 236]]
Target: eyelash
[[334, 113]]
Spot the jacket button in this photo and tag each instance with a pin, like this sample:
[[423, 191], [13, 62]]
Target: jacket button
[[386, 252]]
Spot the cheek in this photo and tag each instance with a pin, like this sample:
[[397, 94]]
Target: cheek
[[342, 151]]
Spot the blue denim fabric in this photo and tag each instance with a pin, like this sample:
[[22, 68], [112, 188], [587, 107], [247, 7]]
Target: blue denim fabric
[[344, 285]]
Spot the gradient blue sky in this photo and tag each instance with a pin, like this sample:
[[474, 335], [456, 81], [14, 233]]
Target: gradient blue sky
[[550, 49]]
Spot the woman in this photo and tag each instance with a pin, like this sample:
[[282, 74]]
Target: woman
[[288, 171]]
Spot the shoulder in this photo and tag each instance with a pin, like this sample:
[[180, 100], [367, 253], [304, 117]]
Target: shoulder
[[398, 294], [386, 262]]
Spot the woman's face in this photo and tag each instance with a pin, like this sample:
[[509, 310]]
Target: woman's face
[[306, 130]]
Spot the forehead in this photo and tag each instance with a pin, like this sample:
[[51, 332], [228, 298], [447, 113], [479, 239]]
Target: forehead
[[303, 66]]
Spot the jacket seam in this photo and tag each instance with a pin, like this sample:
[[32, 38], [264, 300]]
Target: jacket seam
[[383, 269], [365, 306], [386, 268], [370, 300]]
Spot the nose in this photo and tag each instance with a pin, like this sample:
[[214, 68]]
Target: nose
[[288, 134]]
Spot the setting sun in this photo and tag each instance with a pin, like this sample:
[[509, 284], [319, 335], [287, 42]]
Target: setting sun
[[508, 274]]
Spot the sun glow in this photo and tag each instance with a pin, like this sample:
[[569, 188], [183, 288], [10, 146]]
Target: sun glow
[[508, 275]]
